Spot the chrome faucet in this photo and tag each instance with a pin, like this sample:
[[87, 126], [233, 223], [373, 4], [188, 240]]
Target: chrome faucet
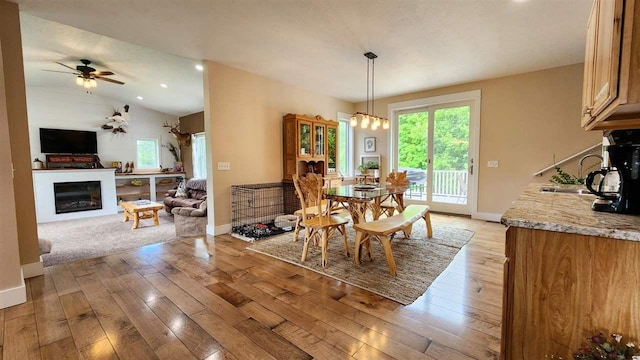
[[582, 159]]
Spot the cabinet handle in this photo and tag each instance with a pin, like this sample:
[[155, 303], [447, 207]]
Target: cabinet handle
[[587, 111]]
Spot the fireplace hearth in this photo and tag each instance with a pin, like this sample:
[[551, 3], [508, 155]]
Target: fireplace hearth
[[77, 196]]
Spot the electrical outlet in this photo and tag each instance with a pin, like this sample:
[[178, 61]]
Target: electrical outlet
[[492, 163], [224, 166]]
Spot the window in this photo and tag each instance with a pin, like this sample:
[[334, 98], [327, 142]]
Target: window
[[199, 156], [147, 154], [345, 145]]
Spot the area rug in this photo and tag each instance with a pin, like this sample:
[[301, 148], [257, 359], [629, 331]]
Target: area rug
[[419, 260], [73, 240]]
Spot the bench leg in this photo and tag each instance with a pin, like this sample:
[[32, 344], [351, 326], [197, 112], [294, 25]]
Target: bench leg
[[386, 246], [407, 231], [427, 219]]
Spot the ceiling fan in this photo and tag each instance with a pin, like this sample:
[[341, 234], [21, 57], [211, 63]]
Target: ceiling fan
[[87, 75]]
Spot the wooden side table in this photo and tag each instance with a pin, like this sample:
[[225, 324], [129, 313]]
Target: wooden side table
[[141, 209]]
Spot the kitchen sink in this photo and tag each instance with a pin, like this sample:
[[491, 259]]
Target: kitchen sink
[[564, 190]]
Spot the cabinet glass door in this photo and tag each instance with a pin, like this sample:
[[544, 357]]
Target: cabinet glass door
[[304, 139], [319, 140], [332, 145]]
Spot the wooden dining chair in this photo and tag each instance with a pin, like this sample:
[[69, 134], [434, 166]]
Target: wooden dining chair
[[395, 178], [318, 224]]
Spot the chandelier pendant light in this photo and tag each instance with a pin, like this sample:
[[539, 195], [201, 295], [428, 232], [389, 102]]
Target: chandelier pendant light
[[365, 118]]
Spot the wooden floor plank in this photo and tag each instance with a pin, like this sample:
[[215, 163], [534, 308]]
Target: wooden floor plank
[[82, 321], [101, 350], [274, 344], [233, 340], [191, 334], [123, 335], [64, 349], [21, 339], [212, 298], [311, 344], [177, 295], [50, 319]]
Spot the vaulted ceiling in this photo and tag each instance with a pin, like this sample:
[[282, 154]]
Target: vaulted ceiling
[[315, 44]]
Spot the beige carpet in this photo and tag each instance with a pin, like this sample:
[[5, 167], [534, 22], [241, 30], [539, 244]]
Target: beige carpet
[[419, 260], [73, 240]]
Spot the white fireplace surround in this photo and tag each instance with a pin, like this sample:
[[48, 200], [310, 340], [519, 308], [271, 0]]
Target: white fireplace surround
[[43, 181]]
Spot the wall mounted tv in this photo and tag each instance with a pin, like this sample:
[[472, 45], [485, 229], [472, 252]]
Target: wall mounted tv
[[59, 141]]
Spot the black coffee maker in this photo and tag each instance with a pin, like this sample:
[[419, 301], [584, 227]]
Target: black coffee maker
[[624, 157]]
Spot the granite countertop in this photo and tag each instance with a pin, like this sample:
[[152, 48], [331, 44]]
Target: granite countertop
[[570, 213]]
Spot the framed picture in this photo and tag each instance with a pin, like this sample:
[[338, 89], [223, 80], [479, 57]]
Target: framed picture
[[369, 144]]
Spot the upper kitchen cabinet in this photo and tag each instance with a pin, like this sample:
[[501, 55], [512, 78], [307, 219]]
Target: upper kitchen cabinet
[[611, 93]]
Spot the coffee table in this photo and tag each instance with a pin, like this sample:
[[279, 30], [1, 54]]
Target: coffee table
[[140, 209]]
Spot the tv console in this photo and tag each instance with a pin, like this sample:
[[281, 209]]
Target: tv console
[[73, 162]]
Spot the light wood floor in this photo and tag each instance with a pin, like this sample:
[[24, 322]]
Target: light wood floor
[[209, 298]]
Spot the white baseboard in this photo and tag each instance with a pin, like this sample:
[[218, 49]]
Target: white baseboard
[[13, 296], [486, 216], [218, 230], [33, 269]]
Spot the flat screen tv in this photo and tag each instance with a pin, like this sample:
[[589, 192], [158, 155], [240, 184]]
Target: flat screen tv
[[59, 141]]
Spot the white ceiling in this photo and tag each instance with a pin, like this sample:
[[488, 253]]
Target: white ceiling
[[315, 44]]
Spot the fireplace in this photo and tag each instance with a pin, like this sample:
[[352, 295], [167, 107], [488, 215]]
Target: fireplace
[[77, 196]]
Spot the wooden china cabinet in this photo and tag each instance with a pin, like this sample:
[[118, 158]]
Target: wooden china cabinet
[[309, 145], [611, 88]]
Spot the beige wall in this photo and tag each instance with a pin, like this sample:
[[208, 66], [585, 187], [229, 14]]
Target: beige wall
[[245, 127], [526, 119], [191, 124], [10, 276], [18, 131]]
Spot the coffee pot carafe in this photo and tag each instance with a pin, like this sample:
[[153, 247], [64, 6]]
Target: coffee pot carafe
[[624, 156]]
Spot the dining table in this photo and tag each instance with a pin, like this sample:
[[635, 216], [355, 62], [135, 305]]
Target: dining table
[[360, 197]]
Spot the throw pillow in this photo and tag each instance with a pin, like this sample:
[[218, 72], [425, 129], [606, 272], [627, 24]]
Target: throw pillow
[[181, 193]]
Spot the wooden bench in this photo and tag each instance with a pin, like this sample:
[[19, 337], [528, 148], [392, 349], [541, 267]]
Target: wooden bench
[[383, 230]]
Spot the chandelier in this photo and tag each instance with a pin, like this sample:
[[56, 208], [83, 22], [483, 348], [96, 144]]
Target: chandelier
[[88, 82], [365, 119]]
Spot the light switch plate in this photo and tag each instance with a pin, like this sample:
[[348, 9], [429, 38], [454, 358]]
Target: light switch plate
[[224, 166], [492, 163]]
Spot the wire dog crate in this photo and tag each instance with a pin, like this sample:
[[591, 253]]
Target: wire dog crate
[[258, 210]]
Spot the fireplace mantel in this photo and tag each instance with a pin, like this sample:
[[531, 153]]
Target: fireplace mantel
[[43, 181]]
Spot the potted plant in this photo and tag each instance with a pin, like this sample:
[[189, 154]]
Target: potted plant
[[369, 165]]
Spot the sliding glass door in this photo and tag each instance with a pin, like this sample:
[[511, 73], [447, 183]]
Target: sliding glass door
[[433, 145]]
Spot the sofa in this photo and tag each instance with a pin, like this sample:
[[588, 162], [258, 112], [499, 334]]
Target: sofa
[[193, 195], [190, 221]]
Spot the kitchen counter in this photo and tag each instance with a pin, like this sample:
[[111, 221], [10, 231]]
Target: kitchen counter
[[568, 213]]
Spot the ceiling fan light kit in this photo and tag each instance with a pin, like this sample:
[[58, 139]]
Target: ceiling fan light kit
[[86, 75], [364, 118]]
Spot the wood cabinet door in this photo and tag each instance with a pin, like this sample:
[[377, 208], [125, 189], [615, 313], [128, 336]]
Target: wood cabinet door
[[305, 139], [319, 139], [589, 61], [606, 64]]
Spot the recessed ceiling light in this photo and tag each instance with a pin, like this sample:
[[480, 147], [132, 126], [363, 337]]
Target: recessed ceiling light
[[163, 85], [199, 67], [140, 98]]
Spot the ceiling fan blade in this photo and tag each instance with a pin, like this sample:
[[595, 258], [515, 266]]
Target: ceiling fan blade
[[64, 72], [68, 67], [110, 80], [101, 73]]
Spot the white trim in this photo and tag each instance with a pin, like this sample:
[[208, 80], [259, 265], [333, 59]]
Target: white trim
[[486, 216], [13, 296], [350, 155], [475, 96], [33, 269], [218, 230]]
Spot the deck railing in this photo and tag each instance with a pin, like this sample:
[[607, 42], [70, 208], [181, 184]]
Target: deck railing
[[447, 183]]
